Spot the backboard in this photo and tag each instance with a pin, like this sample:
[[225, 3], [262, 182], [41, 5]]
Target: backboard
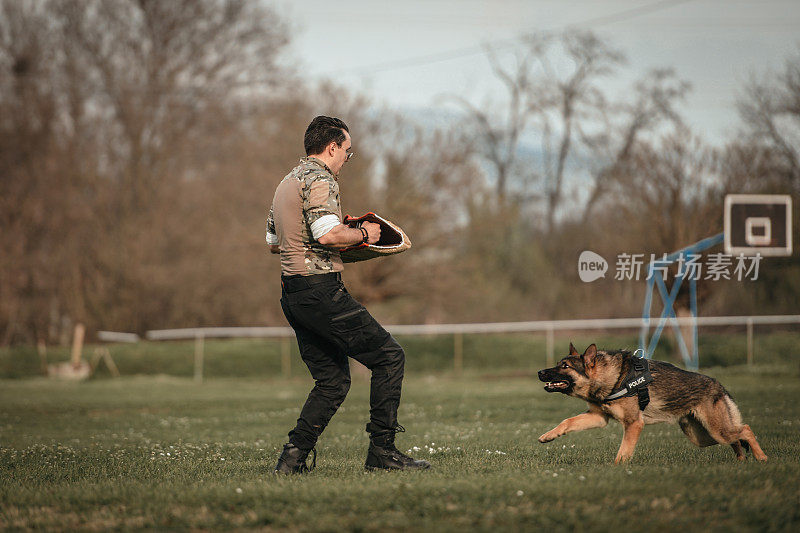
[[758, 223]]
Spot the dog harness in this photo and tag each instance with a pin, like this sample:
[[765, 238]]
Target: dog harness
[[635, 383]]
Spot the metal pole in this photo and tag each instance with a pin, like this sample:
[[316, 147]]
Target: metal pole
[[644, 331], [458, 353], [550, 347], [286, 359], [693, 309], [750, 341], [198, 357]]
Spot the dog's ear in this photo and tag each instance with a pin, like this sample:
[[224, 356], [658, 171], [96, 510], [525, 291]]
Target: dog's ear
[[590, 356], [572, 350]]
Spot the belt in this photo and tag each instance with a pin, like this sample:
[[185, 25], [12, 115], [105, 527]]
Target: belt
[[299, 282]]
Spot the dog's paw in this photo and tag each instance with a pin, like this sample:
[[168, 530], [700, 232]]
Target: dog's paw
[[547, 437], [622, 459]]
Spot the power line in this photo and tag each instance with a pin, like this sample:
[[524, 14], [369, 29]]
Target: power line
[[633, 12], [620, 16]]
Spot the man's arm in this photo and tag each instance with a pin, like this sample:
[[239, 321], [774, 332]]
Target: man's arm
[[321, 211], [342, 236], [272, 238]]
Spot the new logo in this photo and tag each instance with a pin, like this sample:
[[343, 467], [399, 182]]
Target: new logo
[[591, 266]]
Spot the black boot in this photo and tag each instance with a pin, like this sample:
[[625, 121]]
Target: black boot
[[383, 455], [293, 460]]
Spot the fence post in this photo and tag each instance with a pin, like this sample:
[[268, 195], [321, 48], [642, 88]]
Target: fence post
[[286, 359], [199, 341], [458, 353], [550, 347], [77, 346], [749, 341], [41, 347]]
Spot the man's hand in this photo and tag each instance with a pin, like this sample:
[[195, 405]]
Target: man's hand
[[373, 231], [274, 249], [343, 236]]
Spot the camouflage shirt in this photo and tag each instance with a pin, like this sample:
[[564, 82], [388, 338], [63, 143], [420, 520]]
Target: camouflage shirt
[[306, 203]]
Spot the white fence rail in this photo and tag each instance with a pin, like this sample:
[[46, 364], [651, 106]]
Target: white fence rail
[[490, 327], [116, 336], [218, 333], [549, 327]]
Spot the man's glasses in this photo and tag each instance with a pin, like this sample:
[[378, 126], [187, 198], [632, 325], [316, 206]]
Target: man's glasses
[[349, 155]]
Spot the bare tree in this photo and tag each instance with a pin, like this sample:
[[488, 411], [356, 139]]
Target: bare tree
[[154, 68], [29, 214], [497, 135], [665, 194], [770, 110], [556, 99], [102, 104], [656, 97], [577, 99]]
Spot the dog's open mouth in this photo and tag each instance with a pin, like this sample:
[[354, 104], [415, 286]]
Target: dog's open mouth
[[555, 386]]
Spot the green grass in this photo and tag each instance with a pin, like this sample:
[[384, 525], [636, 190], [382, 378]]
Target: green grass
[[519, 353], [166, 453]]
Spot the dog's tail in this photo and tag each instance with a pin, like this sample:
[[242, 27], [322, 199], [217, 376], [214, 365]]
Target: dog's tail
[[736, 416]]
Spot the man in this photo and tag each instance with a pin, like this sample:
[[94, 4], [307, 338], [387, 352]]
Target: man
[[305, 227]]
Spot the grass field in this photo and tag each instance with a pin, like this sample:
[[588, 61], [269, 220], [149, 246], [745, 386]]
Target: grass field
[[512, 352], [164, 452]]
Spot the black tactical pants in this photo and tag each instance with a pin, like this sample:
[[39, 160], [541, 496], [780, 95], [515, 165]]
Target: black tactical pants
[[330, 326]]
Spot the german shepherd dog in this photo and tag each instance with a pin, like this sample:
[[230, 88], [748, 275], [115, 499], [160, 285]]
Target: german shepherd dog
[[700, 404]]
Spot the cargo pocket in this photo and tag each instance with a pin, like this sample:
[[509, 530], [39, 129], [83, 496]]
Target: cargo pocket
[[348, 328], [338, 295]]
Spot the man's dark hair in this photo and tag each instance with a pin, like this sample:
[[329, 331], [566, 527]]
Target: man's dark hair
[[321, 132]]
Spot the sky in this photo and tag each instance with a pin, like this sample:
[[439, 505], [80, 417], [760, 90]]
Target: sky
[[411, 55]]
